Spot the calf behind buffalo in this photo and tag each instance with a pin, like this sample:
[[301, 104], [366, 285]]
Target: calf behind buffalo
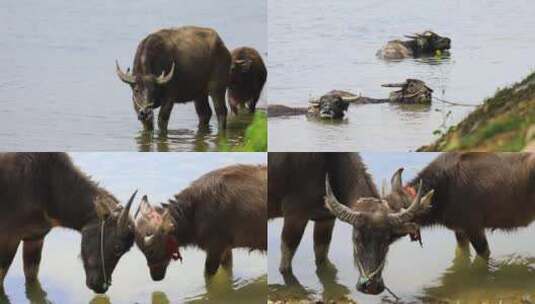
[[248, 75]]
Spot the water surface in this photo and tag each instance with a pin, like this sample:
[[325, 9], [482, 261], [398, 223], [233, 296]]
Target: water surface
[[160, 176], [59, 90], [318, 46], [418, 275]]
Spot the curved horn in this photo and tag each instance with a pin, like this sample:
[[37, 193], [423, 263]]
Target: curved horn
[[418, 205], [350, 98], [125, 77], [125, 213], [396, 182], [163, 79], [342, 212], [394, 85], [410, 36]]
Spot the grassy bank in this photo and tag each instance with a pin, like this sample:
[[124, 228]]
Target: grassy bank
[[504, 122], [255, 136]]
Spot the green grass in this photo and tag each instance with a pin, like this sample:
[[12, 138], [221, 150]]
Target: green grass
[[255, 136]]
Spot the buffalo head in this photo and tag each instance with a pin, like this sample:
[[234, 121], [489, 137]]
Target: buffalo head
[[105, 241], [429, 42], [155, 237], [146, 92], [376, 225]]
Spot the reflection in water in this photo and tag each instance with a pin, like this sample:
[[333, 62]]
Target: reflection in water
[[202, 139], [34, 293], [327, 275], [510, 279], [223, 288]]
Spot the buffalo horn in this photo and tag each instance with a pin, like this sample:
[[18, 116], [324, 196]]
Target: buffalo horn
[[125, 213], [125, 77], [342, 212], [163, 79], [418, 205]]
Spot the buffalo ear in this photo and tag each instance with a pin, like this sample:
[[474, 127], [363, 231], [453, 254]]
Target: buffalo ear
[[407, 228], [102, 208], [168, 225]]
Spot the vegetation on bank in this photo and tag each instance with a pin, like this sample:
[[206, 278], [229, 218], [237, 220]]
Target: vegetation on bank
[[255, 136], [504, 122]]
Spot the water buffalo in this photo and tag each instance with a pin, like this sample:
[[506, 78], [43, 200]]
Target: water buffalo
[[334, 104], [222, 210], [424, 44], [328, 106], [41, 191], [176, 66], [472, 192], [296, 187], [248, 75]]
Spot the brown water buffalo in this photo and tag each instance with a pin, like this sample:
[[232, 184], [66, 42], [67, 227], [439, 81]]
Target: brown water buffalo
[[424, 44], [472, 192], [222, 210], [41, 191], [248, 75], [296, 191], [176, 66], [329, 106]]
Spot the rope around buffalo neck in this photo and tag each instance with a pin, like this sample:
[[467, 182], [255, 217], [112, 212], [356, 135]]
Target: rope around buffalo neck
[[374, 273], [102, 260]]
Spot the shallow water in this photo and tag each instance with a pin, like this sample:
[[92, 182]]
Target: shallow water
[[160, 176], [422, 275], [59, 90], [315, 47]]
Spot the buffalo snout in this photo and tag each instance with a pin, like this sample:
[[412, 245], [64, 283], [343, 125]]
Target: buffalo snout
[[373, 286], [97, 284], [157, 272]]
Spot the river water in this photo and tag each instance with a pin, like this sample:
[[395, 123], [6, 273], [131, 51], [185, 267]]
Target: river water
[[160, 176], [58, 87], [317, 46], [417, 275]]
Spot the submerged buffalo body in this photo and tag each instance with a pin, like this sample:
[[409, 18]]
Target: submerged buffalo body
[[176, 66], [424, 44], [329, 106], [221, 210], [41, 191], [248, 75], [465, 192], [296, 192]]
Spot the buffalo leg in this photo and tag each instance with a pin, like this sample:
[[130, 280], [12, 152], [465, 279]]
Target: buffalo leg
[[252, 103], [220, 107], [226, 259], [463, 242], [323, 231], [163, 116], [480, 244], [31, 252], [213, 259], [8, 249], [202, 107], [292, 232]]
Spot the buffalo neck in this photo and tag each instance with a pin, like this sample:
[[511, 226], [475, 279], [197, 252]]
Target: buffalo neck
[[182, 210], [71, 196]]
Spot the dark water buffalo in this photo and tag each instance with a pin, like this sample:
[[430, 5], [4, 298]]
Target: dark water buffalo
[[248, 75], [176, 66], [472, 192], [296, 189], [221, 210], [335, 103], [328, 106], [41, 191], [424, 44]]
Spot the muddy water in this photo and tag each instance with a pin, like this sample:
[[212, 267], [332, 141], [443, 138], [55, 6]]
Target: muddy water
[[59, 90], [316, 47], [160, 176], [423, 275]]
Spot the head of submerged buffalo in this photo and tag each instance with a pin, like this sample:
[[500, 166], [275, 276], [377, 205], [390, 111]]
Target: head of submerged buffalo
[[105, 241], [155, 237], [146, 90], [430, 42], [376, 225], [332, 106]]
